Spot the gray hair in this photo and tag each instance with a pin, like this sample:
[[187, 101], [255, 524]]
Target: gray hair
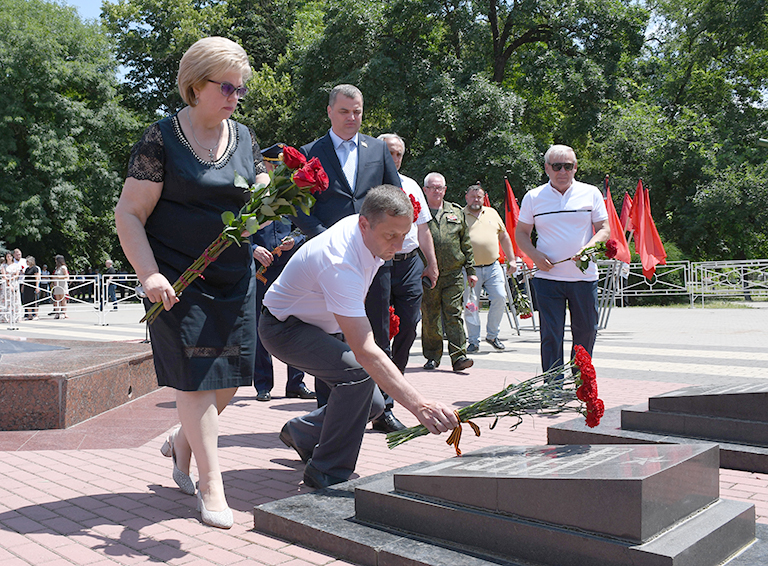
[[350, 91], [556, 151], [431, 176], [386, 199], [386, 137]]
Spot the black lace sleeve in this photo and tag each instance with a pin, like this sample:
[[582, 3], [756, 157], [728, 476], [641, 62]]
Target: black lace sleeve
[[258, 160], [147, 156]]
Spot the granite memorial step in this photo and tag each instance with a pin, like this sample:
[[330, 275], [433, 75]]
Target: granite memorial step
[[735, 416], [747, 401], [732, 413], [607, 505], [570, 505], [50, 384]]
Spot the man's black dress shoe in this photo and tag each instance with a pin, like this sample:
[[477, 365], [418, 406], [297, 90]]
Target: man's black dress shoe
[[302, 392], [263, 395], [317, 479], [287, 439], [462, 363], [387, 423], [496, 343], [431, 364]]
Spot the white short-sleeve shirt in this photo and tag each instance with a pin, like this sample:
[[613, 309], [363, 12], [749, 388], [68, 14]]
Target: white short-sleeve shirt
[[329, 275], [411, 187], [564, 225]]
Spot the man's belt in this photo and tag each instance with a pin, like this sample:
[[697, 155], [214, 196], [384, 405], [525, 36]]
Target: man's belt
[[409, 255], [486, 265]]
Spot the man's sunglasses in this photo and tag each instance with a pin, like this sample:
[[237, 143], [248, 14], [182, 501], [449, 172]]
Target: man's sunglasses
[[228, 89], [555, 166]]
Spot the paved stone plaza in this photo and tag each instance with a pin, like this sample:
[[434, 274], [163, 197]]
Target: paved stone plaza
[[101, 493]]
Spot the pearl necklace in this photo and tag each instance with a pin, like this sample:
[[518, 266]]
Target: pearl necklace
[[211, 154]]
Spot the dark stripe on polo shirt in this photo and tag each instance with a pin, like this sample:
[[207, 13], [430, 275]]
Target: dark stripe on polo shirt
[[562, 211]]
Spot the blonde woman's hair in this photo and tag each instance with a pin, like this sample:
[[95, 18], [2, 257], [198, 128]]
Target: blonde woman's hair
[[206, 58]]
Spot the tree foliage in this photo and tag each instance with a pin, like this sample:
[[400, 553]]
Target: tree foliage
[[151, 36], [62, 133], [670, 92]]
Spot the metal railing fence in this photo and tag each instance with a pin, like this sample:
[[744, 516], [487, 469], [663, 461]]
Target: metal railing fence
[[97, 294], [103, 295]]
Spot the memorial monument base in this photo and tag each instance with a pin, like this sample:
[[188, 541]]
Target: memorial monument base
[[50, 384], [733, 415], [419, 515]]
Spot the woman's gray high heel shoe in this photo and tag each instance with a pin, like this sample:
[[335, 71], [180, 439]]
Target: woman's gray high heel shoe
[[221, 519], [185, 483]]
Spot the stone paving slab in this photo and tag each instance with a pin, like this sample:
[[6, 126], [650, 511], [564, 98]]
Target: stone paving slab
[[106, 497]]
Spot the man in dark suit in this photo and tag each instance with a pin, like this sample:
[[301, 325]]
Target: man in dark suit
[[354, 164]]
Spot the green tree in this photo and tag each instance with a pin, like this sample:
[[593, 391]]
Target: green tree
[[730, 214], [63, 134], [693, 113], [151, 36]]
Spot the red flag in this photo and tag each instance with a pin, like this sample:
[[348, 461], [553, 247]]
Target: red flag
[[511, 214], [617, 232], [647, 241], [626, 213]]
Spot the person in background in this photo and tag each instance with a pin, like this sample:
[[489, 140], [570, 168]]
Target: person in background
[[10, 298], [568, 216], [60, 289], [407, 274], [45, 281], [18, 258], [180, 181], [354, 164], [442, 305], [109, 275], [263, 242], [30, 292], [486, 233]]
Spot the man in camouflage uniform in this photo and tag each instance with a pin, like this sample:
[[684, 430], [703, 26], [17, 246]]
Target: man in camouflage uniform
[[454, 253]]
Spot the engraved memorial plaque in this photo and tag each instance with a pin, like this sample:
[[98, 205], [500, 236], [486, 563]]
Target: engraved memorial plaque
[[627, 491]]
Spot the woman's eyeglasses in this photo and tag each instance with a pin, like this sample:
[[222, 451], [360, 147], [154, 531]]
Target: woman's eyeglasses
[[555, 166], [228, 89]]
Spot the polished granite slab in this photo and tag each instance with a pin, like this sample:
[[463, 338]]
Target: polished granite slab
[[685, 417], [370, 522], [70, 381], [629, 492]]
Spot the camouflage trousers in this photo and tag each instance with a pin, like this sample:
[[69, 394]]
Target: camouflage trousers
[[443, 305]]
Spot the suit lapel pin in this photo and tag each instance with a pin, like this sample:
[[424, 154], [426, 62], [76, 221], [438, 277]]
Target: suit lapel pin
[[363, 144]]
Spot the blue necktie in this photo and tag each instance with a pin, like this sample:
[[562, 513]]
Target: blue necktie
[[349, 162]]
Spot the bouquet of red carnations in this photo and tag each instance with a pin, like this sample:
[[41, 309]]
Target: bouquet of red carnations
[[550, 393], [291, 186]]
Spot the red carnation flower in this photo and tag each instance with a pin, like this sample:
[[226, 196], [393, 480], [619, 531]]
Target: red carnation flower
[[595, 411], [416, 207], [394, 323], [311, 176], [611, 248], [293, 158]]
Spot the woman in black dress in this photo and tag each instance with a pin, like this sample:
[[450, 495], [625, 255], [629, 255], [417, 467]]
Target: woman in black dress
[[180, 180], [30, 291]]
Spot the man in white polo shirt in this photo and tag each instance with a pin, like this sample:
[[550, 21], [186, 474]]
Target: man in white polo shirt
[[568, 216], [315, 320]]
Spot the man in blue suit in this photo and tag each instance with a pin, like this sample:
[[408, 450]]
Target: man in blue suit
[[354, 163]]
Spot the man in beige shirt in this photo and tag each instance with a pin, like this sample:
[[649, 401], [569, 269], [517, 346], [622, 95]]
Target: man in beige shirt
[[486, 232]]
